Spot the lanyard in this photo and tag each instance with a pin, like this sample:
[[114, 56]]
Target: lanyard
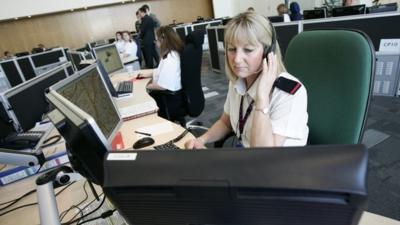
[[243, 119]]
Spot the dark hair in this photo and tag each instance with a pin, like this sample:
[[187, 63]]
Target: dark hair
[[6, 53], [169, 40], [126, 32], [141, 9], [137, 12], [145, 6]]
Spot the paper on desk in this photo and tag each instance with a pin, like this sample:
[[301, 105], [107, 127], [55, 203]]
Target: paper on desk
[[155, 129], [138, 109]]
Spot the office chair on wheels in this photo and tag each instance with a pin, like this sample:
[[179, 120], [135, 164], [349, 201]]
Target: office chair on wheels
[[337, 68], [189, 101]]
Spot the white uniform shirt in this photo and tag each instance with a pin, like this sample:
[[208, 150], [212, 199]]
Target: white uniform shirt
[[168, 73], [286, 18], [120, 46], [129, 48], [288, 112]]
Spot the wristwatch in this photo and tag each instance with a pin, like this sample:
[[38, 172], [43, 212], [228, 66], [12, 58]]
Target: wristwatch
[[264, 110]]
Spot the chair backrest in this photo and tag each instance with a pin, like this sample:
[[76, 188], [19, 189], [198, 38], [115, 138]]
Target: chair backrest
[[337, 68], [191, 60]]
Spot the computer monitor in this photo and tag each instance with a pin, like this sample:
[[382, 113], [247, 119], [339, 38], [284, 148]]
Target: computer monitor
[[276, 19], [181, 32], [76, 58], [201, 27], [383, 8], [220, 34], [26, 66], [108, 55], [86, 143], [26, 102], [10, 69], [106, 79], [19, 54], [310, 185], [348, 10], [48, 57], [6, 124], [226, 21], [37, 50], [314, 14], [87, 91]]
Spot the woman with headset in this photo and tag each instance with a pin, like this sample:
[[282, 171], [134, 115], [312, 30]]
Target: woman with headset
[[265, 105]]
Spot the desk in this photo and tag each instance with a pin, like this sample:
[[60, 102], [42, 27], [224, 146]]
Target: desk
[[74, 194], [140, 96]]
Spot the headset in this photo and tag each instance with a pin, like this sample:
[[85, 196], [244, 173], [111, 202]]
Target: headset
[[272, 47]]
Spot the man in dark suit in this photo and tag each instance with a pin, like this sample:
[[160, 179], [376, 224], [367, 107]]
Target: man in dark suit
[[148, 38]]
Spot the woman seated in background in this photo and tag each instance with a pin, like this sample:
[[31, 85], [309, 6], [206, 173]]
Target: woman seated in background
[[130, 50], [119, 42], [129, 46], [167, 76], [295, 11], [258, 112]]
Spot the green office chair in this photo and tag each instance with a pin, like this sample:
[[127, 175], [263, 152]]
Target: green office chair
[[337, 68]]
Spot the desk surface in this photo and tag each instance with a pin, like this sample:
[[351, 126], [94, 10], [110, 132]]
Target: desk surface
[[140, 96], [74, 194]]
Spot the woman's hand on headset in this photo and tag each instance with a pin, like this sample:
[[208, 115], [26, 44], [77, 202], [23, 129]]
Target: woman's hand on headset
[[267, 79]]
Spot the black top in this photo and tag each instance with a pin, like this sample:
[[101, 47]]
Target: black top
[[147, 30]]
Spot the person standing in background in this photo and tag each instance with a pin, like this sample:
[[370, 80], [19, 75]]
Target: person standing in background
[[283, 11], [138, 22], [157, 22], [148, 38]]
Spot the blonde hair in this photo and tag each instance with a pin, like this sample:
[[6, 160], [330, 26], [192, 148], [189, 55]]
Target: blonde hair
[[253, 29]]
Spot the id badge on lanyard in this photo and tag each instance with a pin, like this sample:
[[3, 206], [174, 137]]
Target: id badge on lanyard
[[243, 120]]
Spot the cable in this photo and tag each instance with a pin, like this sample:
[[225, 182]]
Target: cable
[[90, 213], [53, 140], [35, 203], [104, 215], [37, 171], [64, 213], [12, 202]]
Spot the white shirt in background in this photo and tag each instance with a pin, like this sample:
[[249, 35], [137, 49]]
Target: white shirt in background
[[288, 112], [286, 18], [129, 48], [168, 73], [120, 46]]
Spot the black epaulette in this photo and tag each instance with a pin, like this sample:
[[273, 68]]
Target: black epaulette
[[287, 85]]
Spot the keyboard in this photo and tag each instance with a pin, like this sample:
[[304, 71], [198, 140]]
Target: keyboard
[[125, 87], [170, 144], [167, 146]]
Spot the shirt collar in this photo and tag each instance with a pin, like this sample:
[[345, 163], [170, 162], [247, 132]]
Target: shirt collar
[[241, 89]]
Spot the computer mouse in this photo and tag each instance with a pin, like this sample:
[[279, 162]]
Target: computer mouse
[[143, 142]]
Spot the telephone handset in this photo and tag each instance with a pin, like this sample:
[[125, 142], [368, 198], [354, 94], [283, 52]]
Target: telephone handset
[[20, 141]]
